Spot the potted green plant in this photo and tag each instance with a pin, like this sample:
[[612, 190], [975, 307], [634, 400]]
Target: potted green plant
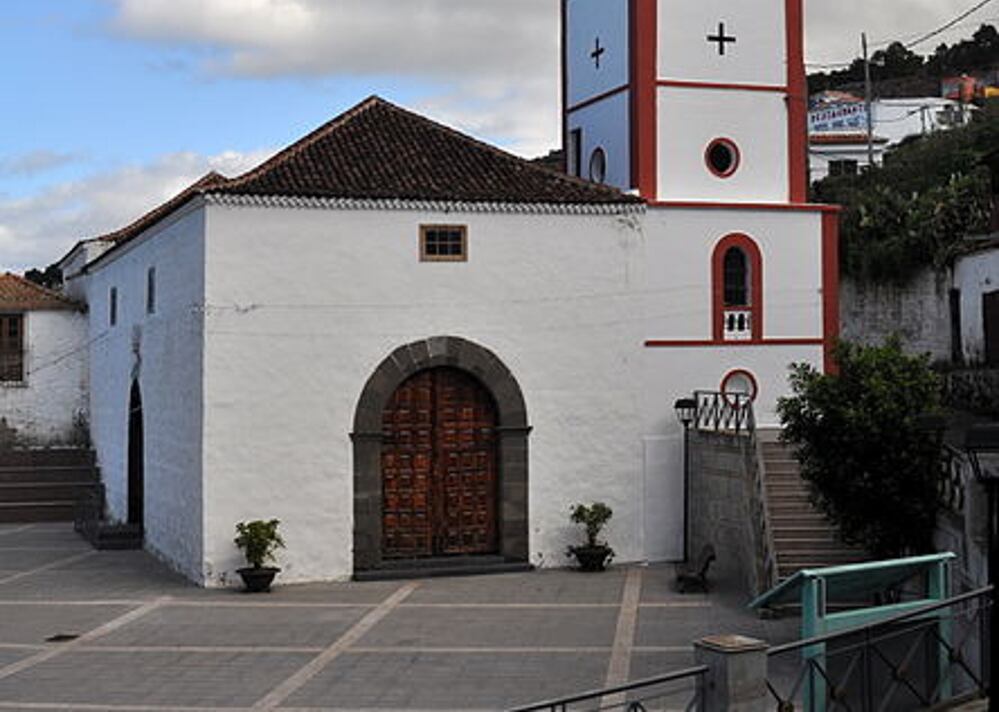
[[594, 554], [258, 540]]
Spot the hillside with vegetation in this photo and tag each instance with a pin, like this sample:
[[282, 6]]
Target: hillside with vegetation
[[898, 71], [914, 212]]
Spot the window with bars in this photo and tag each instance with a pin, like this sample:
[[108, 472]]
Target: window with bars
[[443, 243], [11, 348], [736, 270]]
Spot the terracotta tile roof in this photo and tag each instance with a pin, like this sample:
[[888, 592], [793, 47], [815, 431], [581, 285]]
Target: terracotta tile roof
[[20, 294], [380, 151]]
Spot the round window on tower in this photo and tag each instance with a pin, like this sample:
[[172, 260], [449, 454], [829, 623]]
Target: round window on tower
[[598, 165], [722, 157]]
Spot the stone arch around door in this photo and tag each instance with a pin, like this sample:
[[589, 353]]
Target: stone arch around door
[[512, 431]]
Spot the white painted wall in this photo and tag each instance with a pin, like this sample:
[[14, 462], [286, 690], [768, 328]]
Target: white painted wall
[[820, 156], [164, 350], [291, 343], [975, 275], [678, 306], [73, 263], [49, 408], [606, 125], [757, 57], [586, 20], [690, 119]]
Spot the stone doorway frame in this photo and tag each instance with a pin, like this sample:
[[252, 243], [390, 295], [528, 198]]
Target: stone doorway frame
[[513, 431]]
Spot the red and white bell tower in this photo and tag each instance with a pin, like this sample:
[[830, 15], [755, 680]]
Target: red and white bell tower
[[687, 101], [700, 108]]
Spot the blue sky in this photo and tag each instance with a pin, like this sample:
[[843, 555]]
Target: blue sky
[[110, 106]]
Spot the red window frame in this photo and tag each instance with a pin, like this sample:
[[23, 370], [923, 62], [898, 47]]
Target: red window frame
[[755, 306]]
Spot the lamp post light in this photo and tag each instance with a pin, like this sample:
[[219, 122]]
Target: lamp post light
[[982, 445], [686, 412]]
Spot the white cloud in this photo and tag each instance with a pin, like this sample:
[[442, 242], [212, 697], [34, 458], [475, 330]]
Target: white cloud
[[441, 38], [39, 229], [34, 162]]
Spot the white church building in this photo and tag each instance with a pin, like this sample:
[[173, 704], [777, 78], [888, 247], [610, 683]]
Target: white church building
[[407, 344]]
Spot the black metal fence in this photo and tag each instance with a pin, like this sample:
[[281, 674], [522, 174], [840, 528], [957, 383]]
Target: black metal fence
[[682, 689], [724, 412], [930, 657]]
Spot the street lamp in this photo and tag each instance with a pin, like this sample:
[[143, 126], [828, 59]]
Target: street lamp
[[981, 442], [686, 412]]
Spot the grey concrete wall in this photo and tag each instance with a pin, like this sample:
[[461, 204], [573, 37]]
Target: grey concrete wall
[[720, 506], [973, 390], [919, 312]]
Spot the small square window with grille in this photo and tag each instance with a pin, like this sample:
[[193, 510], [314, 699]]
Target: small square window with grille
[[443, 243]]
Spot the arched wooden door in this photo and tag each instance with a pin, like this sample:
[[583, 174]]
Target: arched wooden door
[[136, 459], [439, 467]]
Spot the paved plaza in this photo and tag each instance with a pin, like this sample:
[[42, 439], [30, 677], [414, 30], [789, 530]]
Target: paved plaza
[[137, 637]]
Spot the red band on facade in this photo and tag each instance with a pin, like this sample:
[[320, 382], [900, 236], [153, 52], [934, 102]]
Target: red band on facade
[[830, 289], [682, 84], [710, 205], [644, 67], [598, 98], [713, 343], [797, 103]]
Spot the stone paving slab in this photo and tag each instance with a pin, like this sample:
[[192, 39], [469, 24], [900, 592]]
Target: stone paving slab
[[345, 593], [429, 681], [236, 626], [662, 627], [9, 657], [33, 624], [18, 560], [564, 587], [168, 678], [495, 628]]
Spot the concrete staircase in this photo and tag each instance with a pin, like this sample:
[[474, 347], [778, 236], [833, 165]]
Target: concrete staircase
[[803, 537], [44, 485]]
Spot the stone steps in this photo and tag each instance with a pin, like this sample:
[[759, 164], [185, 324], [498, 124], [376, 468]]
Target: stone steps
[[44, 485], [803, 537]]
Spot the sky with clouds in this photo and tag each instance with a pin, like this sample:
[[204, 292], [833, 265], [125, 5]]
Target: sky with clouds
[[111, 106]]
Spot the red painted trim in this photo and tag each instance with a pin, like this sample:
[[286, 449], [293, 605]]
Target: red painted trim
[[741, 372], [755, 257], [598, 98], [684, 84], [709, 205], [732, 146], [711, 343], [565, 80], [797, 103], [644, 68], [830, 289]]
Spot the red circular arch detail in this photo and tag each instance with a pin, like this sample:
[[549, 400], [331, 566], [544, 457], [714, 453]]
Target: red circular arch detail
[[741, 372], [733, 147]]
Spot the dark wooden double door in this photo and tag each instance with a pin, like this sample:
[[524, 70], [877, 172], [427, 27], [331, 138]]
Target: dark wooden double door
[[439, 467]]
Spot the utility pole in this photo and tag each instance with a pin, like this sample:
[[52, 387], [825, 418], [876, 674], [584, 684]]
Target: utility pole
[[868, 103]]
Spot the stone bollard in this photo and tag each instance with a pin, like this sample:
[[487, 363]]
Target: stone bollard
[[736, 680]]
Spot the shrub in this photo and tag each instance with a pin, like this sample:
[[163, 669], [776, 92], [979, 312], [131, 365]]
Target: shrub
[[593, 518], [258, 540], [869, 466]]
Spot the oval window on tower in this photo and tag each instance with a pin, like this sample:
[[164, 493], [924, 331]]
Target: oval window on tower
[[598, 165], [722, 157]]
